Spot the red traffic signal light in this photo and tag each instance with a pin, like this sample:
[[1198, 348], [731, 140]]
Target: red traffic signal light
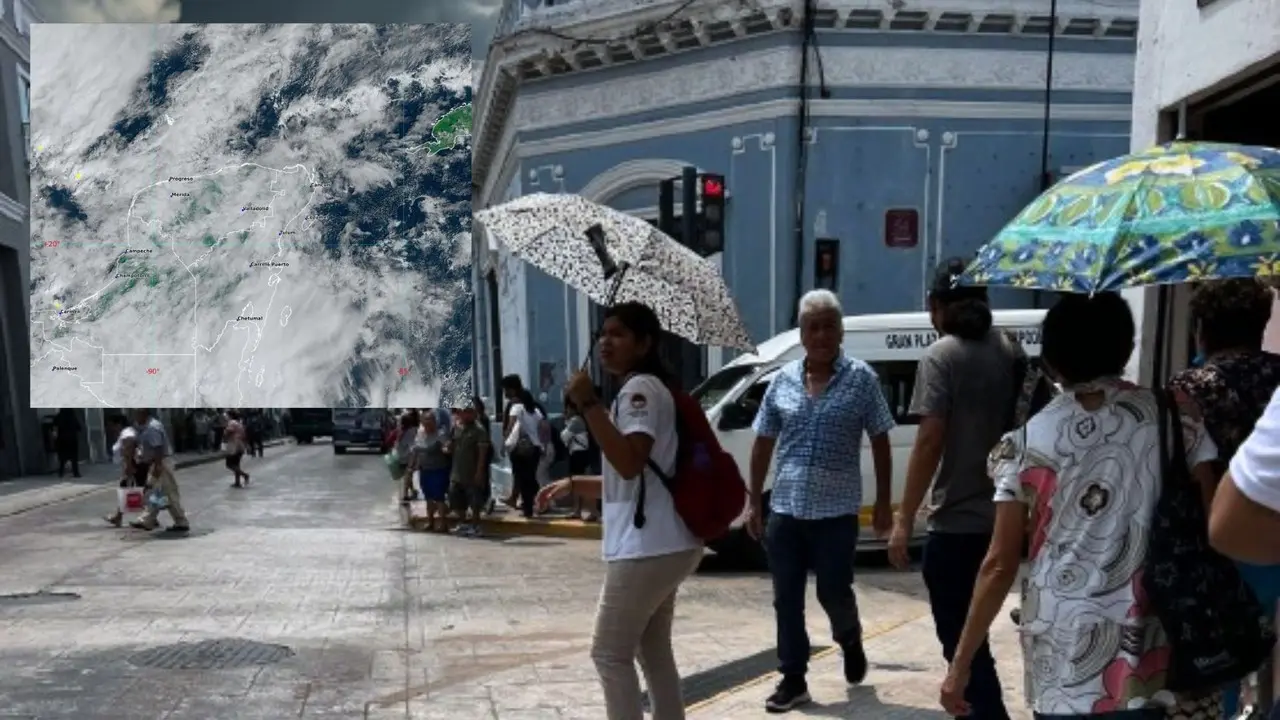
[[713, 187]]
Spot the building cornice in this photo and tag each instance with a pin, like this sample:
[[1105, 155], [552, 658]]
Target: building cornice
[[853, 67], [20, 45], [901, 110]]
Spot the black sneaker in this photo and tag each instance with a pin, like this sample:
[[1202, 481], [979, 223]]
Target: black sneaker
[[855, 662], [791, 694]]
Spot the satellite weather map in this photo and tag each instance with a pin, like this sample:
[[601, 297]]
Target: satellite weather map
[[265, 215]]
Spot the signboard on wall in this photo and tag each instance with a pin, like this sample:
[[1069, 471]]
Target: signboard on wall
[[901, 228]]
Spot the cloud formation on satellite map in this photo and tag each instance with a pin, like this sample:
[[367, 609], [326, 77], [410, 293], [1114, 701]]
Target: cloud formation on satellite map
[[262, 215]]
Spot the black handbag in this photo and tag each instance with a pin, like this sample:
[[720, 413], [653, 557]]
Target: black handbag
[[1217, 630]]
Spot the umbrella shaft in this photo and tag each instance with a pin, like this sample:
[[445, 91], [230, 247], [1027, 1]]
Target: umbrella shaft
[[609, 297]]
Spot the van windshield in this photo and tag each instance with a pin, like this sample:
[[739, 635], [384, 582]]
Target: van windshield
[[367, 418], [714, 388]]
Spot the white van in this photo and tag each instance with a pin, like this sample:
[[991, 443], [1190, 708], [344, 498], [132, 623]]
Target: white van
[[891, 344]]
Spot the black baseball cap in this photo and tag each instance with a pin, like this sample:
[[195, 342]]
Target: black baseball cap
[[944, 288]]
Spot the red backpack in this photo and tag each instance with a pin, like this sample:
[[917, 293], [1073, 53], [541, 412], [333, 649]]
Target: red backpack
[[707, 487]]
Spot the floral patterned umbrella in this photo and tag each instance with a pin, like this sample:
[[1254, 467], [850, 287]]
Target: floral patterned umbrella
[[1176, 213], [687, 292]]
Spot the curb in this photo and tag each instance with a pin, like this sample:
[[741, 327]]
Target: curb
[[558, 528], [518, 526], [111, 485]]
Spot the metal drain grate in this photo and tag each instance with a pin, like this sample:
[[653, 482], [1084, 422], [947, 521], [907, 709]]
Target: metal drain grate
[[710, 683], [223, 654], [40, 597]]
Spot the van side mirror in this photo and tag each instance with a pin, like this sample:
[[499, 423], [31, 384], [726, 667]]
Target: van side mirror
[[736, 417]]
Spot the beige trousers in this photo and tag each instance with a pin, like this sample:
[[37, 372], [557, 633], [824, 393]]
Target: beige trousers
[[637, 605], [168, 484]]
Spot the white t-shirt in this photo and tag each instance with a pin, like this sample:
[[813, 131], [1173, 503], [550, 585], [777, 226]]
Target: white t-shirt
[[528, 422], [644, 405], [118, 448], [1255, 469]]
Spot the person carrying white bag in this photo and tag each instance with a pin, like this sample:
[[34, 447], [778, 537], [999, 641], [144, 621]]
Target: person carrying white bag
[[131, 495]]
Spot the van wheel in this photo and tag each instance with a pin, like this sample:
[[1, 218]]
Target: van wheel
[[339, 451]]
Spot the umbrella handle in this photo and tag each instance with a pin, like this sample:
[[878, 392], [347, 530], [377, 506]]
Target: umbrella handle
[[609, 298]]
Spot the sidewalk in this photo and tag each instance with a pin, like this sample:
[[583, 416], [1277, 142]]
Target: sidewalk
[[35, 491], [905, 671]]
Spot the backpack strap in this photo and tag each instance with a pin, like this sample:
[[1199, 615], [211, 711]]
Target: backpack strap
[[1031, 374], [1162, 430], [639, 519]]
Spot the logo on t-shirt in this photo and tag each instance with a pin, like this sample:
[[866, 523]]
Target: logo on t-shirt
[[639, 402]]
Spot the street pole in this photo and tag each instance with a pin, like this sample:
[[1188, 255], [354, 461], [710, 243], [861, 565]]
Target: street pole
[[1046, 179]]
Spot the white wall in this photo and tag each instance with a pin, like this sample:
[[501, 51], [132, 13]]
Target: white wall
[[1185, 52]]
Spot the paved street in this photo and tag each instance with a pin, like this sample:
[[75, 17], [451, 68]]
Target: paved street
[[377, 622]]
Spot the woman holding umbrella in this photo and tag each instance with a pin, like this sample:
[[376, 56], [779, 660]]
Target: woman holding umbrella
[[645, 566]]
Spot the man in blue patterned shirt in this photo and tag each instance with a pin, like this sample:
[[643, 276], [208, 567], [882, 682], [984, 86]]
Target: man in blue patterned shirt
[[814, 414]]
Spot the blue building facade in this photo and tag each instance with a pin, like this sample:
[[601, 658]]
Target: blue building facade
[[924, 135]]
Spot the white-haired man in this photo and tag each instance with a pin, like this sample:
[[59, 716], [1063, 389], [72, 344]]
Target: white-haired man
[[814, 415]]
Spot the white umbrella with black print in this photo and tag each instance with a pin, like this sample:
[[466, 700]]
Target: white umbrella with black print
[[611, 256]]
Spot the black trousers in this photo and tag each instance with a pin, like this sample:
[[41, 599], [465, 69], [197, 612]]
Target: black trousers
[[524, 477], [68, 455], [951, 564], [826, 547]]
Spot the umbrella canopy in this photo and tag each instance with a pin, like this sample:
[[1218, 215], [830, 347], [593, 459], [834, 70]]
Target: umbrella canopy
[[686, 291], [1176, 213]]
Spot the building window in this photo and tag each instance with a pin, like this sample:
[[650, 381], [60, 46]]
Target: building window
[[24, 103]]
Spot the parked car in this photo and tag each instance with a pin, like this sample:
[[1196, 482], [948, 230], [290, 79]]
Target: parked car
[[364, 429], [307, 424]]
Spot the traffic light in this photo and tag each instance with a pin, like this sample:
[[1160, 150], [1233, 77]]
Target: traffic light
[[667, 206], [711, 188], [689, 211]]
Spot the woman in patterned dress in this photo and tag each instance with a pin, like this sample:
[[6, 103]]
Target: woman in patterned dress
[[1084, 476], [1230, 389]]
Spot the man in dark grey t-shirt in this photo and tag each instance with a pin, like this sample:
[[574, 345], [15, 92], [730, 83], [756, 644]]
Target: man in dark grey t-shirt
[[965, 388]]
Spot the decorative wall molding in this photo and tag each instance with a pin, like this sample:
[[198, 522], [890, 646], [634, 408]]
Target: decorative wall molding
[[778, 68], [765, 142], [13, 209], [630, 174], [774, 109]]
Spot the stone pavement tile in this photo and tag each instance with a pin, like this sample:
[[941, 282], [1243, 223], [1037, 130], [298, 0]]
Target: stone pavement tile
[[537, 714], [450, 709], [583, 712], [543, 696]]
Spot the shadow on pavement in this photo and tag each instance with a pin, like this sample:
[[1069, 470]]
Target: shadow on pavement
[[863, 701]]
